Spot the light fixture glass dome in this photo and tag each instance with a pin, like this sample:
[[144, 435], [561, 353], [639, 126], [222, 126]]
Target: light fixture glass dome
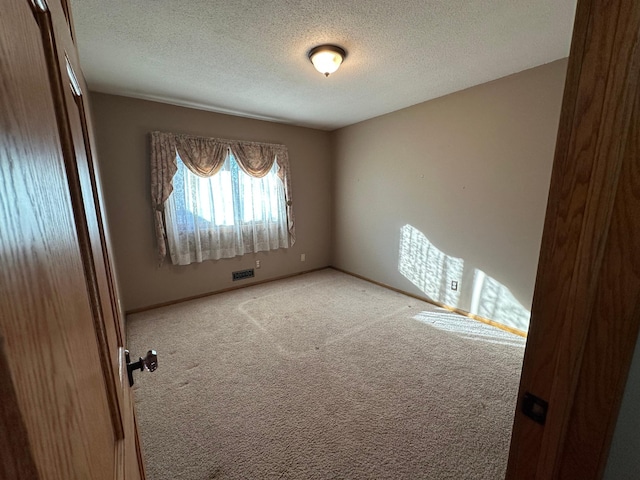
[[327, 58]]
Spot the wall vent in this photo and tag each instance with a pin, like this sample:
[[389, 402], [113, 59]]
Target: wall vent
[[242, 274]]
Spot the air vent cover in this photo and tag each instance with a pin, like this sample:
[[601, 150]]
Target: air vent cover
[[242, 274]]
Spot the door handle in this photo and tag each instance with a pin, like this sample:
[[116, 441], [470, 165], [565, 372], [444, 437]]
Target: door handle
[[148, 363]]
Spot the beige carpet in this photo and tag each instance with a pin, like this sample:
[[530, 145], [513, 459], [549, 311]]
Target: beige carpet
[[323, 376]]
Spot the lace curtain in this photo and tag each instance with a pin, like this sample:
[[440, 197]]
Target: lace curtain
[[205, 157]]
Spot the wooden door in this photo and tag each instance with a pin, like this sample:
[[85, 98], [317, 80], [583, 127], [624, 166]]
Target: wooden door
[[65, 405], [586, 313]]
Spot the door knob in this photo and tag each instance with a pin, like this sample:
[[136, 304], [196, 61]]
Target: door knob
[[148, 363]]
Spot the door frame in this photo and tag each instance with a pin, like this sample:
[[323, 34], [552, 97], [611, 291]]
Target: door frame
[[586, 316]]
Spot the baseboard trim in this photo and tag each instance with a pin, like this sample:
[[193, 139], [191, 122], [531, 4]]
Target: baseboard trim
[[216, 292], [473, 316]]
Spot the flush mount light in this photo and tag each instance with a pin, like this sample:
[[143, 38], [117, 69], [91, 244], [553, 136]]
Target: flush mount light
[[327, 58]]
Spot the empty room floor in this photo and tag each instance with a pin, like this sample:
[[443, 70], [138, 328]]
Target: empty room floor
[[323, 376]]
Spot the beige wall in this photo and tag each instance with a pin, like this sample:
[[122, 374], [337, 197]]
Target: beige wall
[[122, 126], [452, 189]]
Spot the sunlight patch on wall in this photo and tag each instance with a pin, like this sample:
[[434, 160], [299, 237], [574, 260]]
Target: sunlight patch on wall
[[432, 271], [428, 268], [491, 299]]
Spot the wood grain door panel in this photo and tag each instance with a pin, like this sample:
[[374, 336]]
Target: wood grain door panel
[[61, 333], [47, 324]]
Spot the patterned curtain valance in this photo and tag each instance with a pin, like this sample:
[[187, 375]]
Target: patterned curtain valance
[[204, 157]]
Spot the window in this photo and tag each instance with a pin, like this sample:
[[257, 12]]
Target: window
[[229, 197], [225, 215]]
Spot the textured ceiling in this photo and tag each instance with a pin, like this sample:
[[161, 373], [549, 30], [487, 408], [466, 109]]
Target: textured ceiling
[[249, 57]]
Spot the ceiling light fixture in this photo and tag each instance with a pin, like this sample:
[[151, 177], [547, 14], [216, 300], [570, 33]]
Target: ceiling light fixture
[[327, 58]]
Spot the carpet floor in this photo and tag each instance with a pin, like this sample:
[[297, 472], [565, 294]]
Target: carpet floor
[[323, 376]]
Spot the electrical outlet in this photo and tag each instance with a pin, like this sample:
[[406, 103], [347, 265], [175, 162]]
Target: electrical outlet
[[257, 263], [454, 285], [303, 257]]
